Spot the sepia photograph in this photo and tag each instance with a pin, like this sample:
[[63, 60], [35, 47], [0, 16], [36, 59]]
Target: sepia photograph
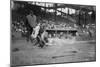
[[43, 33]]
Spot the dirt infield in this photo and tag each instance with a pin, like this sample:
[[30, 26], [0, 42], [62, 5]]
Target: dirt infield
[[61, 51]]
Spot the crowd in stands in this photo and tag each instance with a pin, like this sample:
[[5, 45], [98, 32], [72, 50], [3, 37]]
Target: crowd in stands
[[20, 22]]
